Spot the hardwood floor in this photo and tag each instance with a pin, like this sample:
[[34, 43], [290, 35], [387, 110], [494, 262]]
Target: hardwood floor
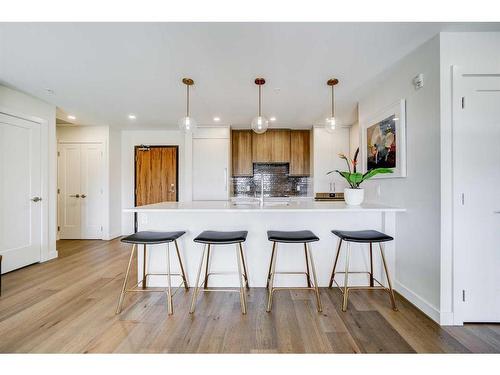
[[68, 304]]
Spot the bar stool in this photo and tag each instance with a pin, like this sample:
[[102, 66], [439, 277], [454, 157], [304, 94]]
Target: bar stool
[[302, 236], [153, 238], [210, 238], [361, 236]]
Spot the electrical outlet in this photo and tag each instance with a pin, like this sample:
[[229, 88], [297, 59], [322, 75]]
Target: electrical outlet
[[248, 187], [298, 187]]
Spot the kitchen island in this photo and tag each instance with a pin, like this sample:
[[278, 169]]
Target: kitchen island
[[319, 217]]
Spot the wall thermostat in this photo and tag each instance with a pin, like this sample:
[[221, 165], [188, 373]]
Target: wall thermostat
[[418, 81]]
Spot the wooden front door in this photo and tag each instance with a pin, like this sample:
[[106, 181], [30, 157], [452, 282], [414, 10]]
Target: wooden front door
[[156, 174]]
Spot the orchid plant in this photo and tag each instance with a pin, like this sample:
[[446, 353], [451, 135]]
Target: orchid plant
[[354, 178]]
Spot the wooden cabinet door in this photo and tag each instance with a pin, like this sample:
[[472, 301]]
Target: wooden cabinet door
[[300, 152], [241, 146], [155, 175], [261, 147], [273, 146], [280, 145]]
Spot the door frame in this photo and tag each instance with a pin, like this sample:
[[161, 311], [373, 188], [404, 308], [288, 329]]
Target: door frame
[[45, 252], [136, 148], [458, 266], [104, 183]]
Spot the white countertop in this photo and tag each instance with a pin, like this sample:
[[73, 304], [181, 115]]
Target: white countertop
[[271, 206]]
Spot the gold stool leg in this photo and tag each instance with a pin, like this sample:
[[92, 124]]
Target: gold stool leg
[[245, 272], [391, 291], [243, 301], [144, 280], [316, 288], [271, 278], [335, 263], [308, 272], [183, 273], [205, 285], [270, 265], [197, 285], [346, 277], [170, 305], [371, 266], [122, 294]]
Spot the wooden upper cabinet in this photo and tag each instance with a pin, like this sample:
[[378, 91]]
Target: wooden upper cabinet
[[273, 146], [300, 152], [241, 150]]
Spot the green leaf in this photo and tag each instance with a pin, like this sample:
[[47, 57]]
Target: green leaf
[[375, 172], [356, 178]]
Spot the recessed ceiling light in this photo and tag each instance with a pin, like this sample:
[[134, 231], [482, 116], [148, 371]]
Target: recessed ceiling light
[[216, 119], [272, 119], [71, 117], [132, 116]]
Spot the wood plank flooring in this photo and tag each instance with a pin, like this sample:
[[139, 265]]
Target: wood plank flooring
[[67, 306]]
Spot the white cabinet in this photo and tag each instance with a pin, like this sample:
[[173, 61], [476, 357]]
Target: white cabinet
[[211, 166], [327, 147]]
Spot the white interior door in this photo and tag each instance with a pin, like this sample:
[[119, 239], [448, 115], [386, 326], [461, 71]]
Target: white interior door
[[476, 160], [210, 168], [20, 193], [69, 191], [91, 191], [80, 190]]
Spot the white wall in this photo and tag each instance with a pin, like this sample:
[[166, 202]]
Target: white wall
[[471, 52], [354, 138], [15, 102], [418, 230], [111, 140], [132, 138]]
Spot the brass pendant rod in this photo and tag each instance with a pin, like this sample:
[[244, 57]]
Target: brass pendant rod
[[187, 101], [260, 100], [333, 102]]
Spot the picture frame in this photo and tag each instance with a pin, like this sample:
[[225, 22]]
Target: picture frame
[[383, 141]]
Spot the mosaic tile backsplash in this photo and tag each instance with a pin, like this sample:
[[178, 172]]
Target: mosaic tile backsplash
[[277, 183]]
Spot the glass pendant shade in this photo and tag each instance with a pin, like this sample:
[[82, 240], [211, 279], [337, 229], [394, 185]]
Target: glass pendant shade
[[260, 124], [187, 124], [330, 124]]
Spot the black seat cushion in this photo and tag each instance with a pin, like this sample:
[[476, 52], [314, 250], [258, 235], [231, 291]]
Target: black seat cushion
[[146, 237], [296, 236], [217, 237], [363, 236]]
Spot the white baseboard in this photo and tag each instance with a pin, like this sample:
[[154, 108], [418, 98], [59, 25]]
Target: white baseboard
[[111, 236], [423, 305], [447, 319]]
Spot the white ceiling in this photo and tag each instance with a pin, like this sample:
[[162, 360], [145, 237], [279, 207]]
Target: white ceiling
[[102, 72]]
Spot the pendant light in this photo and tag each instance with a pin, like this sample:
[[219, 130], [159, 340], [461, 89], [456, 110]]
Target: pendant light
[[187, 123], [260, 123], [330, 122]]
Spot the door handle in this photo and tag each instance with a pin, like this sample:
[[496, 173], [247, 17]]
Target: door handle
[[36, 199], [83, 196], [75, 196], [172, 188]]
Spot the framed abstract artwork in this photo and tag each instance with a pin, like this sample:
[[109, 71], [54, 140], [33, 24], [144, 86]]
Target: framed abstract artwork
[[383, 140]]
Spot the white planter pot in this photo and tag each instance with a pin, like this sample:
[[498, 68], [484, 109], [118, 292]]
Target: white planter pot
[[354, 197]]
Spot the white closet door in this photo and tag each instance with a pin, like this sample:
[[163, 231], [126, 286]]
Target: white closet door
[[476, 162], [69, 191], [20, 188], [91, 191], [210, 169], [80, 190]]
